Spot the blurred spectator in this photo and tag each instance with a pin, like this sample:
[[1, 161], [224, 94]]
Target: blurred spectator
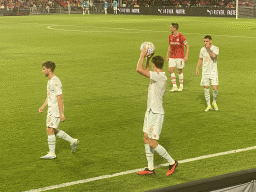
[[34, 8], [136, 5], [47, 8]]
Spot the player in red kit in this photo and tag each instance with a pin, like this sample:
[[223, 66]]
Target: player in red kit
[[176, 55]]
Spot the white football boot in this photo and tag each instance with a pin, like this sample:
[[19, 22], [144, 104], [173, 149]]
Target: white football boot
[[208, 108], [73, 145], [173, 89], [215, 106], [180, 88], [49, 156]]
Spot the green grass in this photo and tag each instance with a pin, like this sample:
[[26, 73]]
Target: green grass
[[105, 100]]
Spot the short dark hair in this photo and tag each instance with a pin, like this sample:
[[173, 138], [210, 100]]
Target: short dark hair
[[49, 65], [158, 61], [176, 25], [208, 37]]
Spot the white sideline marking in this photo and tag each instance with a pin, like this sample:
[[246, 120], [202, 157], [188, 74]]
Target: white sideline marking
[[112, 30], [136, 170], [125, 30], [99, 29]]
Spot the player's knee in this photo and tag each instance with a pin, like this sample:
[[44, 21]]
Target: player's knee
[[171, 70], [153, 143], [215, 87], [50, 131], [56, 131]]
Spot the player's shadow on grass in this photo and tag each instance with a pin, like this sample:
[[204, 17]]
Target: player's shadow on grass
[[201, 100]]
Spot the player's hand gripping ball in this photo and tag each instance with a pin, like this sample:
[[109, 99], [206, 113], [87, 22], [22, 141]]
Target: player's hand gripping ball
[[150, 48]]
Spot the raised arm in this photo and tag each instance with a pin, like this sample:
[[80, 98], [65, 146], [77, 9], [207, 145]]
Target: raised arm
[[212, 55], [140, 69]]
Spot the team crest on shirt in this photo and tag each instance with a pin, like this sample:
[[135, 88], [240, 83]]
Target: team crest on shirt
[[56, 85]]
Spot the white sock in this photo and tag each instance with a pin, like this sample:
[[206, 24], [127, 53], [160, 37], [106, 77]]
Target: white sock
[[150, 156], [207, 96], [51, 143], [181, 77], [163, 153], [173, 79], [214, 94], [61, 134]]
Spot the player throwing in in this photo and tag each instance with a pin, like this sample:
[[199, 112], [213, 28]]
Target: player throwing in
[[154, 116], [55, 112], [208, 56], [176, 56]]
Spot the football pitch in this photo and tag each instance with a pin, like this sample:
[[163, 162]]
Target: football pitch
[[105, 101]]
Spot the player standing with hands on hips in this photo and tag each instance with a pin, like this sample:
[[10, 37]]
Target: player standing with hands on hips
[[208, 56], [55, 112], [154, 116], [176, 56]]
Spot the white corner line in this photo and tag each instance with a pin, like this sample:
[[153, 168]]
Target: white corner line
[[136, 170]]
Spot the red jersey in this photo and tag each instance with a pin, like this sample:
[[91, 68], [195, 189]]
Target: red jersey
[[177, 46]]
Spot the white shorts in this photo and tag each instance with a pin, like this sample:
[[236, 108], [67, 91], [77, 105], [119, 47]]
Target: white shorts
[[52, 122], [179, 63], [206, 79], [114, 8], [153, 124]]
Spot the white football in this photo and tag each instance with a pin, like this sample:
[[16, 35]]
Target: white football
[[149, 46]]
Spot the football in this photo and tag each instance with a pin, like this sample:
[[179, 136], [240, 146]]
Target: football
[[150, 48]]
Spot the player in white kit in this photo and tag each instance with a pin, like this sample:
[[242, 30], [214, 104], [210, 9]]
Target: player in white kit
[[55, 112], [208, 56], [154, 116]]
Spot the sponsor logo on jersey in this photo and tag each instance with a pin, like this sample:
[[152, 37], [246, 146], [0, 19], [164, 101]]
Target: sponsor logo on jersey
[[175, 43]]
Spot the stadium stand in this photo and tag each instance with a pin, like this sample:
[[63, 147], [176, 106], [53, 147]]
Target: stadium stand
[[39, 5], [11, 7]]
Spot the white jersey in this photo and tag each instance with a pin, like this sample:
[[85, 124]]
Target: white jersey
[[209, 66], [156, 92], [54, 88]]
